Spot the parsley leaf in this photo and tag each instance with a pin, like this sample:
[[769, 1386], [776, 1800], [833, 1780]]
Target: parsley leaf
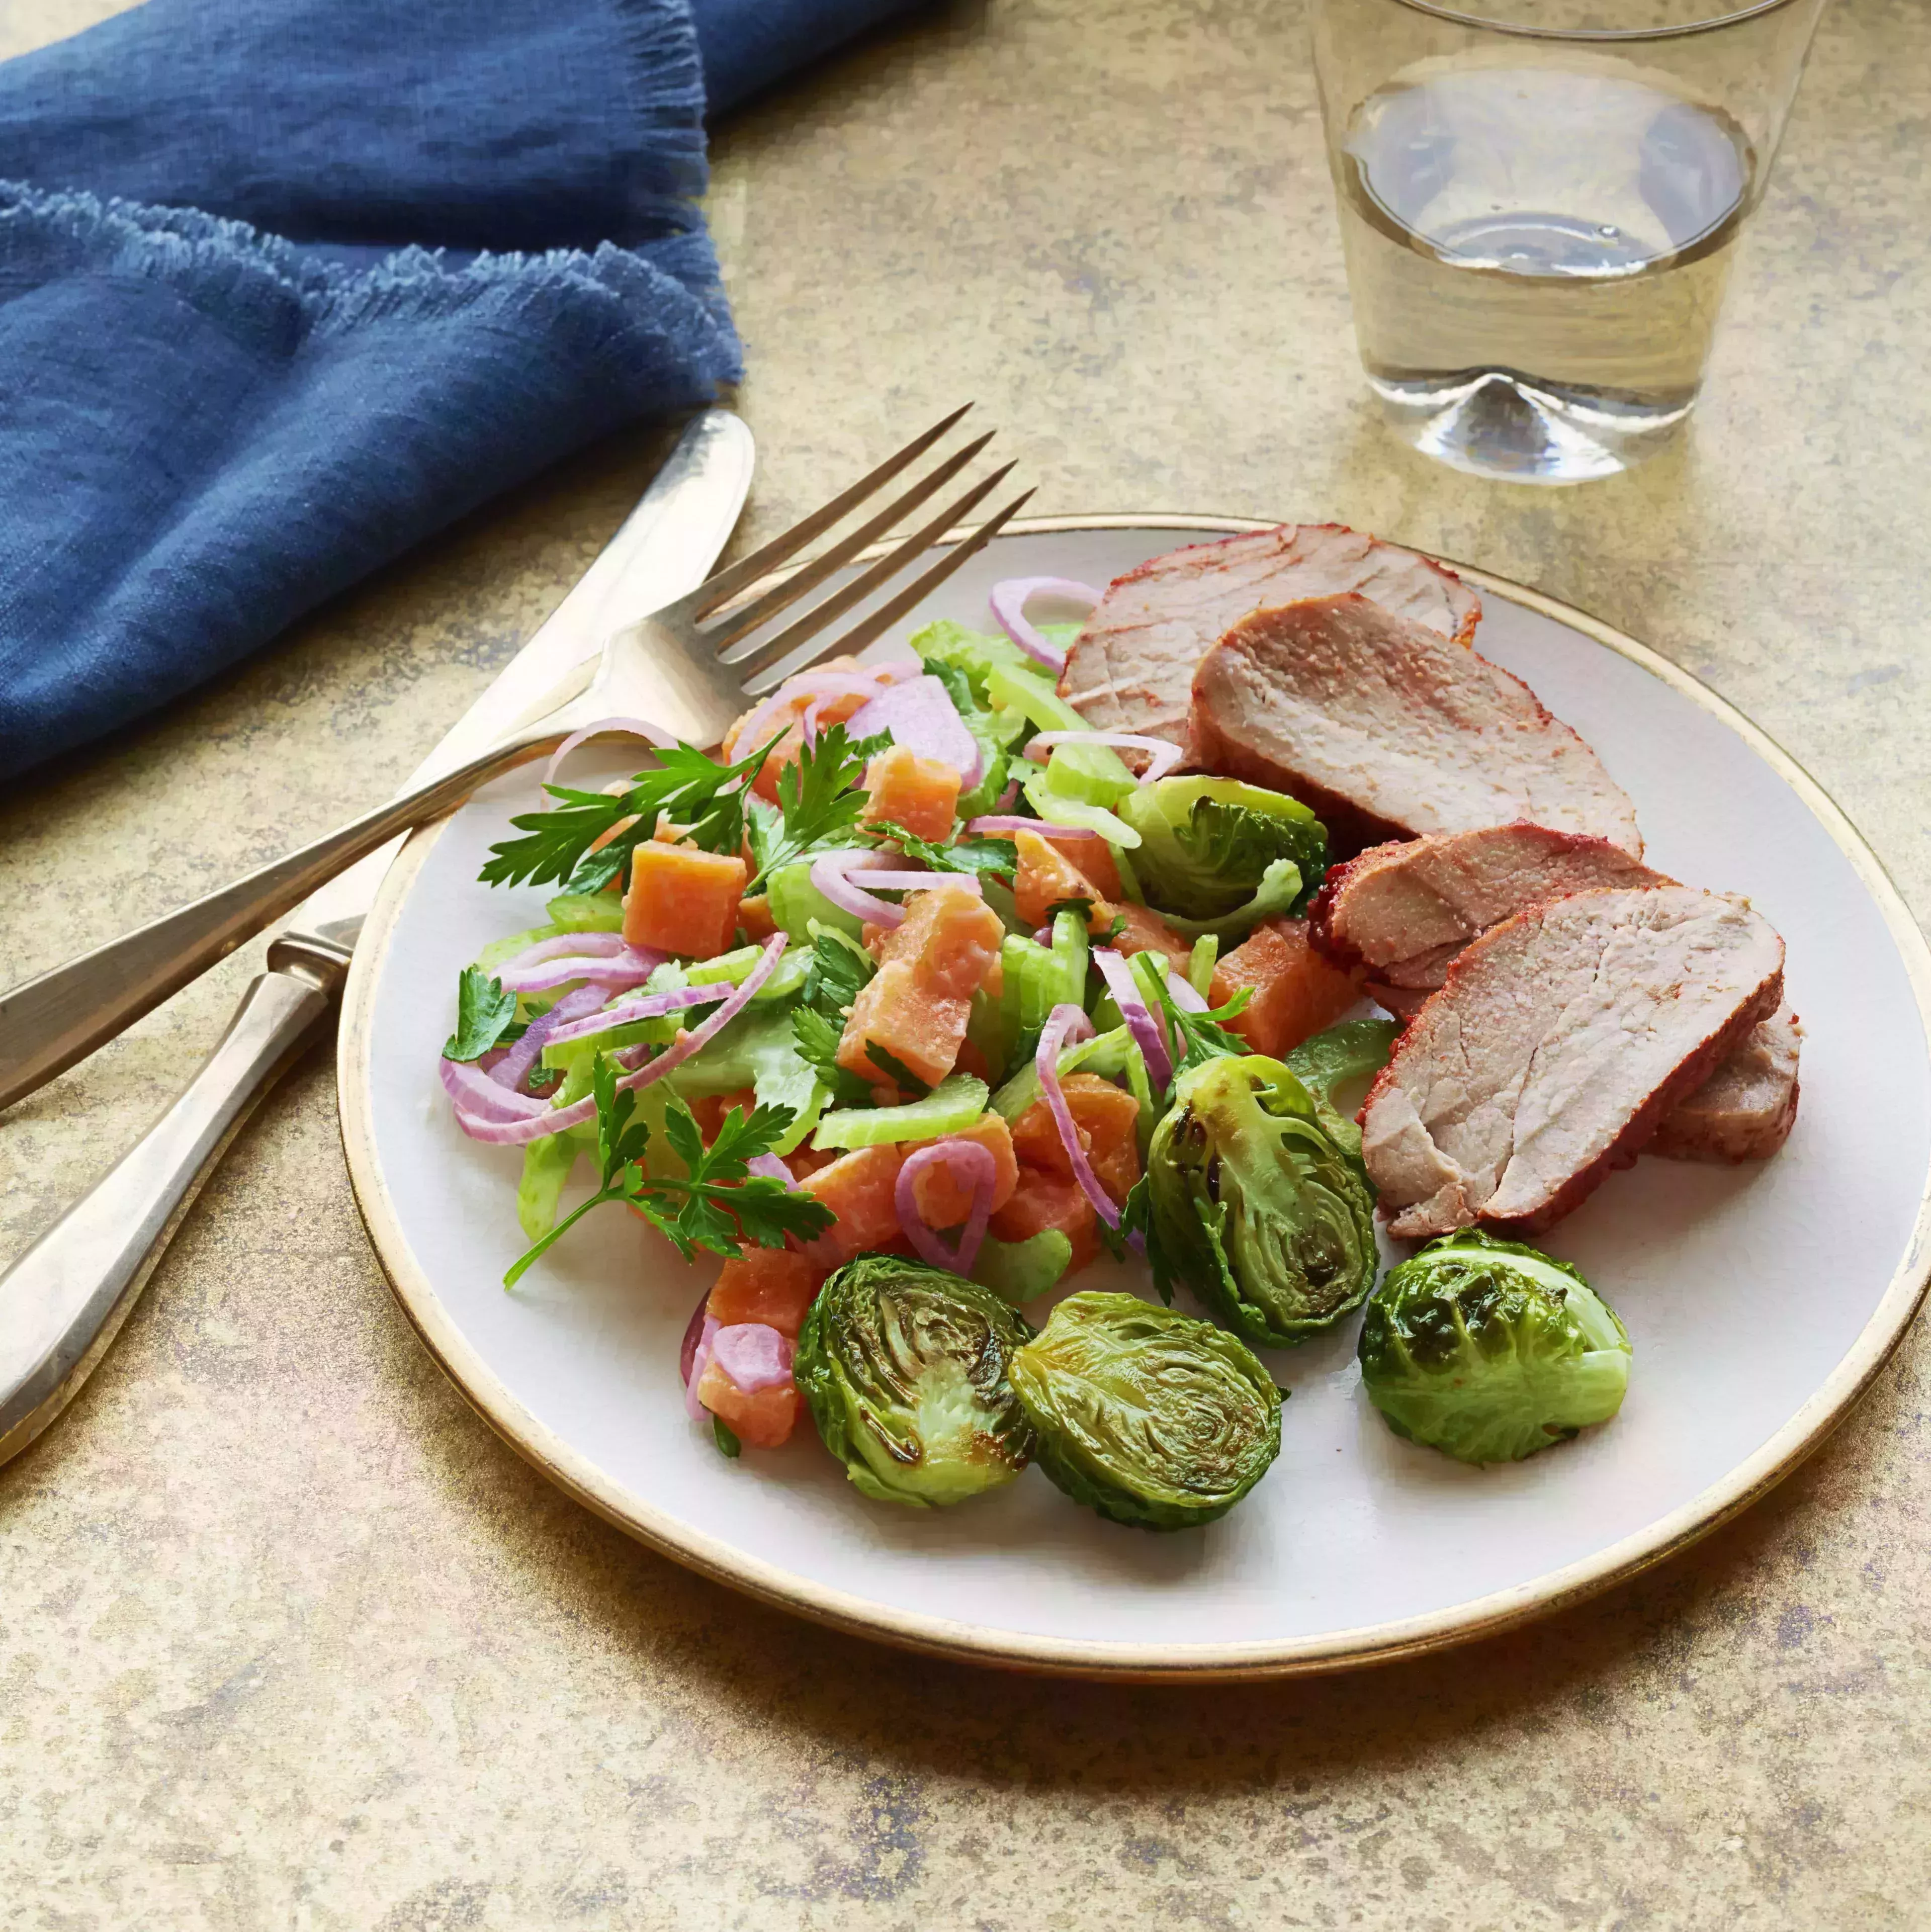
[[895, 1068], [816, 799], [485, 1016], [696, 791], [969, 855], [838, 970], [726, 1439], [719, 1205], [1199, 1037]]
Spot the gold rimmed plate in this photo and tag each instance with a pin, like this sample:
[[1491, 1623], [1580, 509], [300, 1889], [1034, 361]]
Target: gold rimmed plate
[[1761, 1300]]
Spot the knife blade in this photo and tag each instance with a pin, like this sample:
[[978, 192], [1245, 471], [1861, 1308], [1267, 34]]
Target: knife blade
[[63, 1301]]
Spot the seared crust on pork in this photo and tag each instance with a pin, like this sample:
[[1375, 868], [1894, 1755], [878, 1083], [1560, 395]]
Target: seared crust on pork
[[1559, 1042], [1379, 722], [1132, 668], [1746, 1109]]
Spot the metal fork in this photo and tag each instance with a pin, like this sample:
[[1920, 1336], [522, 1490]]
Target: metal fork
[[690, 668]]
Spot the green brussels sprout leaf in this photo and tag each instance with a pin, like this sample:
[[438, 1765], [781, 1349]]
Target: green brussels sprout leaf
[[1217, 856], [1152, 1417], [904, 1369], [1252, 1205], [1490, 1350]]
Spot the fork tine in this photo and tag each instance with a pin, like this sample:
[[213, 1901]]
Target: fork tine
[[882, 620], [741, 575], [748, 658], [750, 617]]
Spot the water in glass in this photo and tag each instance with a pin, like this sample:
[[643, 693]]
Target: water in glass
[[1537, 255]]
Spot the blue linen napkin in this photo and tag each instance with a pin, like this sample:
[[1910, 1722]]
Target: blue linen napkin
[[286, 286]]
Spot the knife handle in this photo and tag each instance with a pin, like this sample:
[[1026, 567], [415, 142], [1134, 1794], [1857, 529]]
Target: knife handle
[[61, 1303], [47, 1023]]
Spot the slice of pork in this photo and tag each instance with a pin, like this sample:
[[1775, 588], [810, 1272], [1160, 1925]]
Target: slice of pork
[[1405, 911], [1746, 1109], [1386, 728], [1561, 1039], [1131, 668]]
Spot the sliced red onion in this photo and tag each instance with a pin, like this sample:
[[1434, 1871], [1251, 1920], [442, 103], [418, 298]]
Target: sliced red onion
[[771, 1168], [476, 1093], [697, 1356], [830, 684], [1042, 935], [1009, 600], [616, 974], [1139, 1017], [920, 714], [1162, 757], [635, 727], [754, 1355], [1184, 998], [587, 945], [653, 1006], [981, 828], [1067, 1025], [553, 1121], [971, 1166], [1008, 798], [513, 1067], [830, 875]]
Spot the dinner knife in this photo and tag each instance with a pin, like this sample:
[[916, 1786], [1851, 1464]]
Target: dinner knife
[[63, 1301]]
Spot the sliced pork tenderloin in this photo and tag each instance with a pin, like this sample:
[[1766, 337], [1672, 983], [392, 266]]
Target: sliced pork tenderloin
[[1746, 1109], [1559, 1041], [1405, 911], [1132, 668], [1387, 729]]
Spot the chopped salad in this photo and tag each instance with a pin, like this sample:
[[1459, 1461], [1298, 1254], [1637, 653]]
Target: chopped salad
[[908, 1002]]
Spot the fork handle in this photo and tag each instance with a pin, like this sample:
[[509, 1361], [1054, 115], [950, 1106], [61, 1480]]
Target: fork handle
[[47, 1023], [61, 1303]]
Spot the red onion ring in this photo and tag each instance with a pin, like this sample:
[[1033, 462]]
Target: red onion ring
[[697, 1357], [980, 827], [829, 874], [635, 727], [1162, 757], [1184, 998], [485, 1098], [653, 1007], [771, 1168], [835, 684], [513, 1067], [1067, 1025], [589, 945], [616, 973], [1139, 1016], [520, 1133], [972, 1166], [1009, 600], [754, 1355]]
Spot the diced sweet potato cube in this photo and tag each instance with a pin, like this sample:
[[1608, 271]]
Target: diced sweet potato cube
[[762, 1421], [1146, 931], [922, 794], [1046, 875], [919, 1026], [950, 936], [1296, 991], [754, 918], [1106, 1118], [682, 900], [773, 1286], [1092, 858], [944, 1201], [1044, 1199], [858, 1188]]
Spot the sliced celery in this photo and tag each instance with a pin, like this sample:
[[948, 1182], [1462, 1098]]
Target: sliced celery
[[586, 912], [952, 1106], [1022, 1271]]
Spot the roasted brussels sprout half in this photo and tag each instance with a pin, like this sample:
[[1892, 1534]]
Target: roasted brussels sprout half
[[904, 1369], [1252, 1203], [1488, 1351], [1220, 856], [1151, 1417]]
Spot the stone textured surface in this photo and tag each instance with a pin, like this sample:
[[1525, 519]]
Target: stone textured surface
[[288, 1639]]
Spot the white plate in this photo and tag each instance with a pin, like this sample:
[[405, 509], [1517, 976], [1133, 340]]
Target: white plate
[[1760, 1299]]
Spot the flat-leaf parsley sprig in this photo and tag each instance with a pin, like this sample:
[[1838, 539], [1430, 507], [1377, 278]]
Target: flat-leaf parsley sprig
[[819, 800], [719, 1205], [696, 791]]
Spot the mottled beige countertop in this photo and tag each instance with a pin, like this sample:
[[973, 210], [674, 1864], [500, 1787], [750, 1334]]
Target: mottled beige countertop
[[289, 1639]]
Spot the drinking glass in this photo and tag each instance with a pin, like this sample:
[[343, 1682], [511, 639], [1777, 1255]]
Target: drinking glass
[[1539, 209]]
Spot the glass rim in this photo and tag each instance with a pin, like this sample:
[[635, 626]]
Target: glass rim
[[1600, 36]]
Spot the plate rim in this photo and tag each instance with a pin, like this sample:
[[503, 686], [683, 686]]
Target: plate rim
[[1490, 1616]]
